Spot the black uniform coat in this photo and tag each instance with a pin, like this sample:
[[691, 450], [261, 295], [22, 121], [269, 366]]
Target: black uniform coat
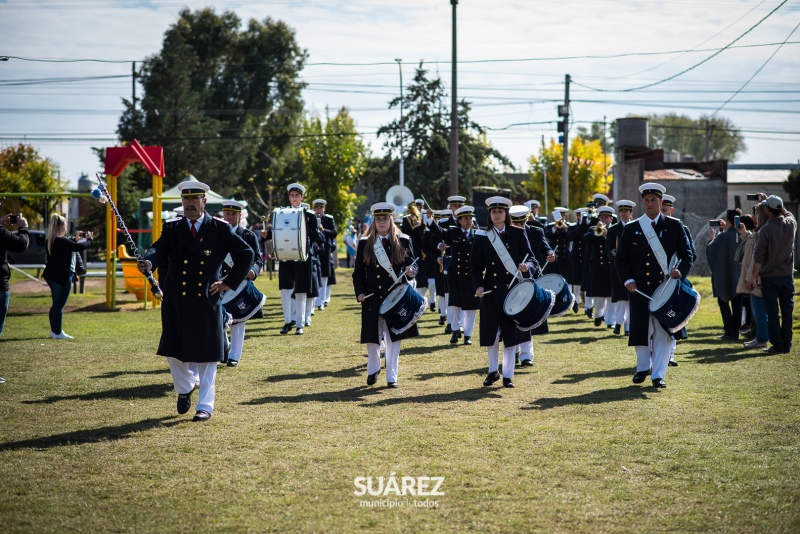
[[417, 243], [374, 279], [297, 275], [329, 234], [598, 265], [618, 291], [539, 245], [459, 281], [435, 270], [577, 259], [635, 260], [191, 319], [252, 241], [559, 238], [488, 272]]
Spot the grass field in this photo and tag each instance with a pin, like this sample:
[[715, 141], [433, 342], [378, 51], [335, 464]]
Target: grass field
[[90, 441]]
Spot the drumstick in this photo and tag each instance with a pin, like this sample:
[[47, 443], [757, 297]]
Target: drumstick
[[485, 293], [517, 273], [366, 297], [546, 263], [644, 295]]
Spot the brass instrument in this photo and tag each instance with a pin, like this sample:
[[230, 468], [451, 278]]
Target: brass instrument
[[441, 262], [413, 213], [561, 224], [599, 229]]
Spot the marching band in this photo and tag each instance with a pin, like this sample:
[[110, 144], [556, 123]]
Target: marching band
[[621, 268]]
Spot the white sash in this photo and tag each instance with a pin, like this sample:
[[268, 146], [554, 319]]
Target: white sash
[[383, 259], [658, 249], [502, 251]]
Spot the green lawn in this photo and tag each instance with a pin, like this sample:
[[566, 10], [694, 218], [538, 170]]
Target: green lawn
[[90, 441]]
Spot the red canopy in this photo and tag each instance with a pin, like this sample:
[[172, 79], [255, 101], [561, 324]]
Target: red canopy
[[118, 157]]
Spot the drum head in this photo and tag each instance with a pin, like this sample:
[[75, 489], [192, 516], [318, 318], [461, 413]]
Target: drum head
[[663, 293], [231, 293], [553, 282], [518, 298], [393, 298]]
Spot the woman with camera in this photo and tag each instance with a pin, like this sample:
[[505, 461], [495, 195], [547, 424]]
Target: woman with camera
[[60, 268]]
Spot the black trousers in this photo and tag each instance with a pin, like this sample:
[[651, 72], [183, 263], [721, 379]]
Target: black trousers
[[731, 312]]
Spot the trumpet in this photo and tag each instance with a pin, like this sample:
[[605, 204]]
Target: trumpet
[[560, 224], [441, 262], [599, 229]]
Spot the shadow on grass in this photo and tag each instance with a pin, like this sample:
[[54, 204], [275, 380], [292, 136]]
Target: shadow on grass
[[607, 373], [724, 354], [469, 395], [115, 374], [341, 373], [101, 307], [356, 394], [581, 340], [595, 397], [94, 435], [150, 391], [407, 351], [469, 372]]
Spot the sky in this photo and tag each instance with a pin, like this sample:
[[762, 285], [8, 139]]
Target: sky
[[513, 56]]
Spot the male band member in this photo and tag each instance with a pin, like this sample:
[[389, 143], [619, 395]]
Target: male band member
[[191, 316], [575, 280], [327, 226], [497, 254], [620, 307], [449, 220], [436, 281], [296, 276], [533, 218], [644, 259], [454, 202], [417, 242], [232, 213], [462, 304], [667, 209], [598, 266], [543, 254]]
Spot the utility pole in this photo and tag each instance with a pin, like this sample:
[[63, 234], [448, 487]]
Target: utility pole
[[454, 113], [564, 112], [402, 148], [544, 174], [133, 98], [708, 140]]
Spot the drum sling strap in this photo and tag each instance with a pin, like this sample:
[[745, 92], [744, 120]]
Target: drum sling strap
[[502, 251], [655, 244], [383, 259]]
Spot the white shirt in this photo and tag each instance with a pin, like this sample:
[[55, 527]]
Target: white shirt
[[198, 222]]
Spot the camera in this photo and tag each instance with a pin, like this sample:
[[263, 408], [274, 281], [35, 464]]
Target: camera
[[12, 219], [713, 224], [736, 221], [591, 204], [752, 196]]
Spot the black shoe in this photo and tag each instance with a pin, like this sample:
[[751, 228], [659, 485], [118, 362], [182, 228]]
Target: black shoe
[[285, 329], [774, 350], [467, 340], [299, 331], [516, 359], [726, 337], [392, 385], [617, 329], [293, 323], [201, 416], [233, 363], [639, 377], [527, 363], [627, 332], [659, 383], [598, 320], [442, 320], [507, 383], [673, 362], [609, 325], [184, 402], [371, 379], [491, 378], [433, 307], [454, 337], [575, 307], [589, 313], [448, 329]]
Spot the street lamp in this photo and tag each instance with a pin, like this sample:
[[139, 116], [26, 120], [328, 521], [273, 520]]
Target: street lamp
[[402, 151]]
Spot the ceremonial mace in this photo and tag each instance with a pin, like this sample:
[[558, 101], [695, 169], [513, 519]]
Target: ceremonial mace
[[101, 193]]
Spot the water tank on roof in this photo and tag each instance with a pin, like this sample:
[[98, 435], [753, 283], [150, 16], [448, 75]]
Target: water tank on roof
[[672, 156], [85, 184], [633, 132]]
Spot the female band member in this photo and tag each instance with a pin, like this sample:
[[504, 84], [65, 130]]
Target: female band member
[[497, 254], [60, 268], [383, 256]]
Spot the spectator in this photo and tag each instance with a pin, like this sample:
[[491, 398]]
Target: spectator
[[746, 285], [16, 242], [60, 268], [350, 244], [725, 274], [774, 263]]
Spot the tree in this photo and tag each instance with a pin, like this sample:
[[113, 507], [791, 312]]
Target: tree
[[334, 160], [426, 137], [587, 173], [688, 136], [223, 101], [23, 170], [792, 185]]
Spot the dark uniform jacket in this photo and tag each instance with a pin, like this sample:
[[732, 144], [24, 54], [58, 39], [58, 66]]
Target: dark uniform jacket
[[297, 275], [598, 265], [618, 291], [329, 234], [459, 281], [191, 318], [559, 238], [635, 260], [417, 244], [488, 272], [374, 279], [11, 242], [539, 245], [577, 259]]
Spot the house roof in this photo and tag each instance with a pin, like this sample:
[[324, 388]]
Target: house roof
[[757, 175], [673, 174]]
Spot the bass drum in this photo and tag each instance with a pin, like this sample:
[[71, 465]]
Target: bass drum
[[528, 305], [289, 234]]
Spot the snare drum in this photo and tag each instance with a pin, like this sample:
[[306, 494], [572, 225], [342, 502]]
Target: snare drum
[[674, 302], [289, 234], [528, 305], [402, 308], [560, 287], [243, 302]]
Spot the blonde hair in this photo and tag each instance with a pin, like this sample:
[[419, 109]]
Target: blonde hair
[[56, 222], [399, 252]]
